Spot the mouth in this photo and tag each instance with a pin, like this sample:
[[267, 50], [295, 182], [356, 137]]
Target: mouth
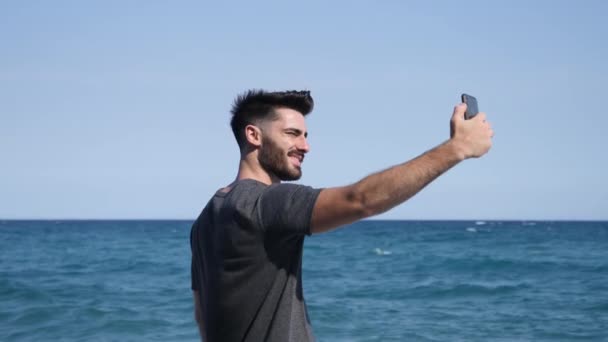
[[296, 159]]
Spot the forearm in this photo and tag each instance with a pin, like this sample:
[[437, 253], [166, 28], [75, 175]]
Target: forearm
[[201, 330], [384, 190]]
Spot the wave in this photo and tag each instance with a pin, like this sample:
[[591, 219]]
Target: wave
[[382, 252], [497, 265], [600, 308], [444, 290], [22, 292]]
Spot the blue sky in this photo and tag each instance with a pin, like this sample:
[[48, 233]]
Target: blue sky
[[120, 109]]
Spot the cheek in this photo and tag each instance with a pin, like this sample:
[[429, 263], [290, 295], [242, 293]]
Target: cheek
[[284, 144]]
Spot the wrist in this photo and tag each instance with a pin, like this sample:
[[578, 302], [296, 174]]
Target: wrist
[[457, 149]]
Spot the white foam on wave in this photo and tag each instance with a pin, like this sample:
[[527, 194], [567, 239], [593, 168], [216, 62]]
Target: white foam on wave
[[480, 223], [382, 252], [471, 229]]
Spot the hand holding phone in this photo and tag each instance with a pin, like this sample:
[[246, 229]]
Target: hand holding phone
[[472, 108]]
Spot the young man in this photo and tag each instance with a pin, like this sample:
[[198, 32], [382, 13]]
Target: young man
[[247, 242]]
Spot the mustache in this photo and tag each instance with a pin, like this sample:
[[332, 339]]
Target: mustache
[[296, 153]]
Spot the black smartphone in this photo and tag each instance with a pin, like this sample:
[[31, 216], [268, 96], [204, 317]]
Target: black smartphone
[[472, 108]]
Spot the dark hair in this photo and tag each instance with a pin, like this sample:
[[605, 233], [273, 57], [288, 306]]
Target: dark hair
[[256, 105]]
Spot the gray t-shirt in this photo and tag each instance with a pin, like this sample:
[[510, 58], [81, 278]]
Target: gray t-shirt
[[247, 262]]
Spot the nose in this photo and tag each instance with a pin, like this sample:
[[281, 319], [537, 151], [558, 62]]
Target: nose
[[303, 145]]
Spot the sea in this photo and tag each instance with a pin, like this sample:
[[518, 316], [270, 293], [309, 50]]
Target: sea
[[370, 281]]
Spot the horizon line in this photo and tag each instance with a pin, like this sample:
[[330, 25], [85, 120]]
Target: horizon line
[[366, 219]]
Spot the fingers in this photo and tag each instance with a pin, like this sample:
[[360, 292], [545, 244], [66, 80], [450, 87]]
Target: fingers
[[459, 111], [479, 120], [490, 129], [488, 126], [481, 116]]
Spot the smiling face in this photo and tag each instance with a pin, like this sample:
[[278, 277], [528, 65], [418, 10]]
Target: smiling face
[[284, 145]]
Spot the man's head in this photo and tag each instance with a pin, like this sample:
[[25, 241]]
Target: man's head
[[272, 123]]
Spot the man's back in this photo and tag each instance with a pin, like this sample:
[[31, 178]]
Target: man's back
[[247, 261]]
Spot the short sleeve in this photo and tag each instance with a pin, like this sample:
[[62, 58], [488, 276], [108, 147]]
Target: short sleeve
[[287, 208]]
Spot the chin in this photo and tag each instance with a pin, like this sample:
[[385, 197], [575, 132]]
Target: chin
[[290, 175], [291, 178]]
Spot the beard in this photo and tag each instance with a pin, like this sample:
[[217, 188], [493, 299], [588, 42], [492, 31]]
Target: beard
[[274, 161]]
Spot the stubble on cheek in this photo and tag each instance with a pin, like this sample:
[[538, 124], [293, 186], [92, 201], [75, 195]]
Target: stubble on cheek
[[275, 161]]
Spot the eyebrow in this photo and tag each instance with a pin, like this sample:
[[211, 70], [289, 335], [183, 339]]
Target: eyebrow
[[297, 131]]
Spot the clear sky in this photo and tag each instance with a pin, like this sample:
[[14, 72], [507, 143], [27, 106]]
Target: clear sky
[[120, 109]]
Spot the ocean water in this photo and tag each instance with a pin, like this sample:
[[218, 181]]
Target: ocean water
[[372, 281]]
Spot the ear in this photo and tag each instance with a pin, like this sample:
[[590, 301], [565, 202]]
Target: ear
[[253, 134]]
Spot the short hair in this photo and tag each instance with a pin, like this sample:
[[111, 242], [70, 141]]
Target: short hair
[[256, 105]]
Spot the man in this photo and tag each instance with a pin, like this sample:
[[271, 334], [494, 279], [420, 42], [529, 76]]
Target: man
[[247, 242]]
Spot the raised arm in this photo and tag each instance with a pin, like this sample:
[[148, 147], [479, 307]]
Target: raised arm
[[384, 190]]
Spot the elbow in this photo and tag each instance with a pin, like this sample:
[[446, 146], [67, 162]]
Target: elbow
[[198, 316]]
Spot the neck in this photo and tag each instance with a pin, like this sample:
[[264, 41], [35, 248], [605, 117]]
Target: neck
[[250, 168]]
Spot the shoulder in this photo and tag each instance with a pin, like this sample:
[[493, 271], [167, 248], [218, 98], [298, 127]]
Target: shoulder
[[290, 189], [245, 188], [287, 208], [269, 198], [257, 188], [287, 198]]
